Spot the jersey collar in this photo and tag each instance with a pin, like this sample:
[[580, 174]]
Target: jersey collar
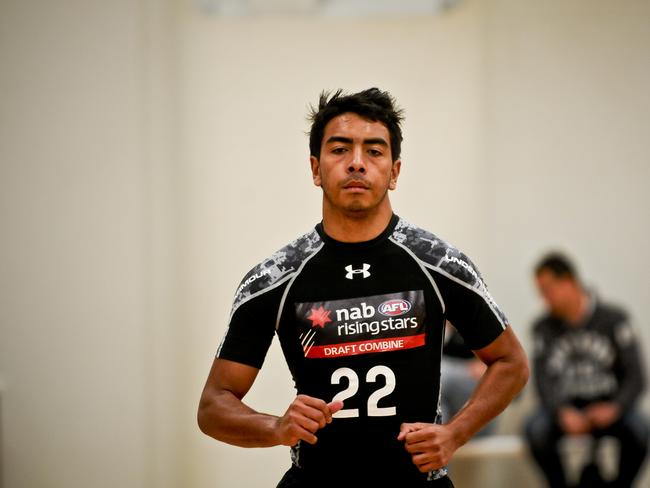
[[358, 245]]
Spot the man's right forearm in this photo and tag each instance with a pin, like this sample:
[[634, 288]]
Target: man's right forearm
[[226, 418]]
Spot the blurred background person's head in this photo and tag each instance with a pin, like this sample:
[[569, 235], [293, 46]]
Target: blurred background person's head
[[559, 286]]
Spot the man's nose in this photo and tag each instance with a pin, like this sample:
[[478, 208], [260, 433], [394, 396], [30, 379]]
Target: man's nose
[[357, 164]]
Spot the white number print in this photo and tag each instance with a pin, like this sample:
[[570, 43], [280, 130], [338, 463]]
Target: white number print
[[350, 391], [387, 389], [353, 387]]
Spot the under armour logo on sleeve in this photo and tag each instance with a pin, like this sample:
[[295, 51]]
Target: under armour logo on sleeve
[[363, 271]]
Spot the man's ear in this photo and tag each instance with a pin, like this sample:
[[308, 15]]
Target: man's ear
[[315, 170], [394, 174]]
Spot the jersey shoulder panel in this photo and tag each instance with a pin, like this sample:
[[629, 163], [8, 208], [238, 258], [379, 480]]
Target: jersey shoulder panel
[[436, 252], [277, 268], [441, 257]]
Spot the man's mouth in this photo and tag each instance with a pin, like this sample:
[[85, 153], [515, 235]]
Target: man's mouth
[[356, 184]]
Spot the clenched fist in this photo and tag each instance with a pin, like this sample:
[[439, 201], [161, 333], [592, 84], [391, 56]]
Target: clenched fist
[[303, 418]]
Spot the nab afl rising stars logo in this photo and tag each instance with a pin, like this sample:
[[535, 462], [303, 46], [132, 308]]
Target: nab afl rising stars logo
[[363, 325]]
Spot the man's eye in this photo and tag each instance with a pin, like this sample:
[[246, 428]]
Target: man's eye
[[339, 150], [374, 152]]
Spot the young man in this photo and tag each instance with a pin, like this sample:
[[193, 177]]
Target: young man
[[359, 305], [588, 373]]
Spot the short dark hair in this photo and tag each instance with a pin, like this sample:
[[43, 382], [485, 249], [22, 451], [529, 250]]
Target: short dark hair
[[558, 264], [372, 104]]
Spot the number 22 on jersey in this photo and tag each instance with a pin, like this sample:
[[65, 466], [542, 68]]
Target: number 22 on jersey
[[353, 387]]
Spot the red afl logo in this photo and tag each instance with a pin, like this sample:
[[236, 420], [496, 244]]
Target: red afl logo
[[395, 307]]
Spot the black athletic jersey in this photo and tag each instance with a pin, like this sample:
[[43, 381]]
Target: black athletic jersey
[[363, 323]]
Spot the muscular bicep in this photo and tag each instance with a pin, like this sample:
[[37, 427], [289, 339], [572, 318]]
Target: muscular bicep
[[505, 347], [229, 376]]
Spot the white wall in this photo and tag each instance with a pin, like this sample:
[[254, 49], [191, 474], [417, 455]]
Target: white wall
[[567, 130], [84, 328]]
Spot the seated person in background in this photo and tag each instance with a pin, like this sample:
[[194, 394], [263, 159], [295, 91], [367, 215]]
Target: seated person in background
[[460, 373], [588, 374]]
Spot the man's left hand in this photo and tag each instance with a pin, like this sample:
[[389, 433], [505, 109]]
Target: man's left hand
[[430, 445], [602, 414]]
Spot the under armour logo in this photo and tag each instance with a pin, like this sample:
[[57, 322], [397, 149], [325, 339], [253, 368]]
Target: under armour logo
[[351, 271]]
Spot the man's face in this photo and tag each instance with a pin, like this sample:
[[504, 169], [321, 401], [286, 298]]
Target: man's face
[[355, 169], [558, 292]]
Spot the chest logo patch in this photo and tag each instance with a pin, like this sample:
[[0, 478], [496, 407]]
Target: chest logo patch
[[364, 271], [364, 325]]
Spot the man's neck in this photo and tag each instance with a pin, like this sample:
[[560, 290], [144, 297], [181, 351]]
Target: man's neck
[[356, 226]]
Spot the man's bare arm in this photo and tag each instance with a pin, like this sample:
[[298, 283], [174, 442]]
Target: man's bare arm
[[431, 446], [506, 374], [224, 416]]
